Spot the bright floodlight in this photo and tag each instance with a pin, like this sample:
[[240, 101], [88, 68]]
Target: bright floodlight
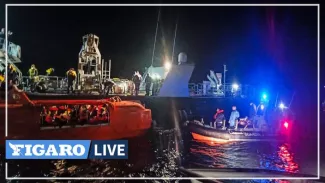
[[235, 86], [286, 125], [264, 96], [167, 65], [262, 107], [281, 106]]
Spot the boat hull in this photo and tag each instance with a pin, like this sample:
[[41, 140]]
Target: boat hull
[[23, 124], [126, 119], [204, 133]]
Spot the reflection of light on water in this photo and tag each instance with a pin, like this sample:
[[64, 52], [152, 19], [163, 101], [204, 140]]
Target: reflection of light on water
[[287, 158], [145, 160], [254, 155]]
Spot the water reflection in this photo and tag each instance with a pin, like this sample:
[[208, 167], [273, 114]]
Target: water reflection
[[145, 160], [262, 155]]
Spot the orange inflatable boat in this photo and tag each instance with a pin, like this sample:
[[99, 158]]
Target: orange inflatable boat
[[73, 119]]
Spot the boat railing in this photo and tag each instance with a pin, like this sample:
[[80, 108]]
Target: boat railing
[[228, 90], [55, 82]]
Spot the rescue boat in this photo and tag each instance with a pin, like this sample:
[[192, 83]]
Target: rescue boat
[[104, 119], [206, 133]]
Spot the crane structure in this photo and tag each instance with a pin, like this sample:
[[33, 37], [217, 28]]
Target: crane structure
[[13, 55], [91, 71]]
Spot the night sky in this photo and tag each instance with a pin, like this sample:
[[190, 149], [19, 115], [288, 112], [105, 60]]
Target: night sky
[[260, 45]]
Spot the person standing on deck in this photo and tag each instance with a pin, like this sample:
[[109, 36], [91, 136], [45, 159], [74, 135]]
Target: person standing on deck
[[155, 86], [108, 86], [148, 84], [252, 113], [233, 120], [32, 73], [71, 75], [136, 80]]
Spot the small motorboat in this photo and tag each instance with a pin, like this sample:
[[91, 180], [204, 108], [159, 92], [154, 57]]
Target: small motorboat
[[206, 133]]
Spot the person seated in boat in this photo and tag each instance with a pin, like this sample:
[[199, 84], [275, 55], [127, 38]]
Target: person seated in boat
[[61, 117], [74, 114], [93, 111], [66, 114], [83, 115], [50, 117], [219, 119], [234, 116], [94, 115], [244, 123], [104, 114]]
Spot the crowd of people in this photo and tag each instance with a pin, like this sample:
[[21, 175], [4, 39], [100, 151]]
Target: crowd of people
[[74, 115], [39, 84], [256, 119], [151, 84]]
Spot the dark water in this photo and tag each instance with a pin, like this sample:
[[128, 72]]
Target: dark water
[[272, 156], [157, 155]]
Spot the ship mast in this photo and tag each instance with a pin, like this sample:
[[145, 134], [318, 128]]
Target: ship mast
[[154, 44], [174, 41]]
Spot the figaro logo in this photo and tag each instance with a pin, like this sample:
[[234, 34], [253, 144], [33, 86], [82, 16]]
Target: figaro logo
[[51, 150], [47, 149]]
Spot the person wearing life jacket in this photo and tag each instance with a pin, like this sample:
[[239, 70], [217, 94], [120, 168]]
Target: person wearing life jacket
[[71, 75], [32, 73], [219, 118], [2, 80], [49, 71]]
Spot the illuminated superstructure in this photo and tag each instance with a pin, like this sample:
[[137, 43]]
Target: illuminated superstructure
[[90, 64], [13, 55]]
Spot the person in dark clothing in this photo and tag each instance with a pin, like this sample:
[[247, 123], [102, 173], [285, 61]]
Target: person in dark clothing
[[71, 75], [148, 84], [12, 74], [136, 80], [108, 86], [155, 86], [219, 119], [252, 113]]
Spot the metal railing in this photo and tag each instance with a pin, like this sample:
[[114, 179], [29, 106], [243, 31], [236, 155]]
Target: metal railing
[[54, 82], [198, 90]]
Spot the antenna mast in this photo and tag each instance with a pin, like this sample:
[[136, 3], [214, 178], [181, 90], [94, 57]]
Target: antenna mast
[[154, 44], [174, 40]]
